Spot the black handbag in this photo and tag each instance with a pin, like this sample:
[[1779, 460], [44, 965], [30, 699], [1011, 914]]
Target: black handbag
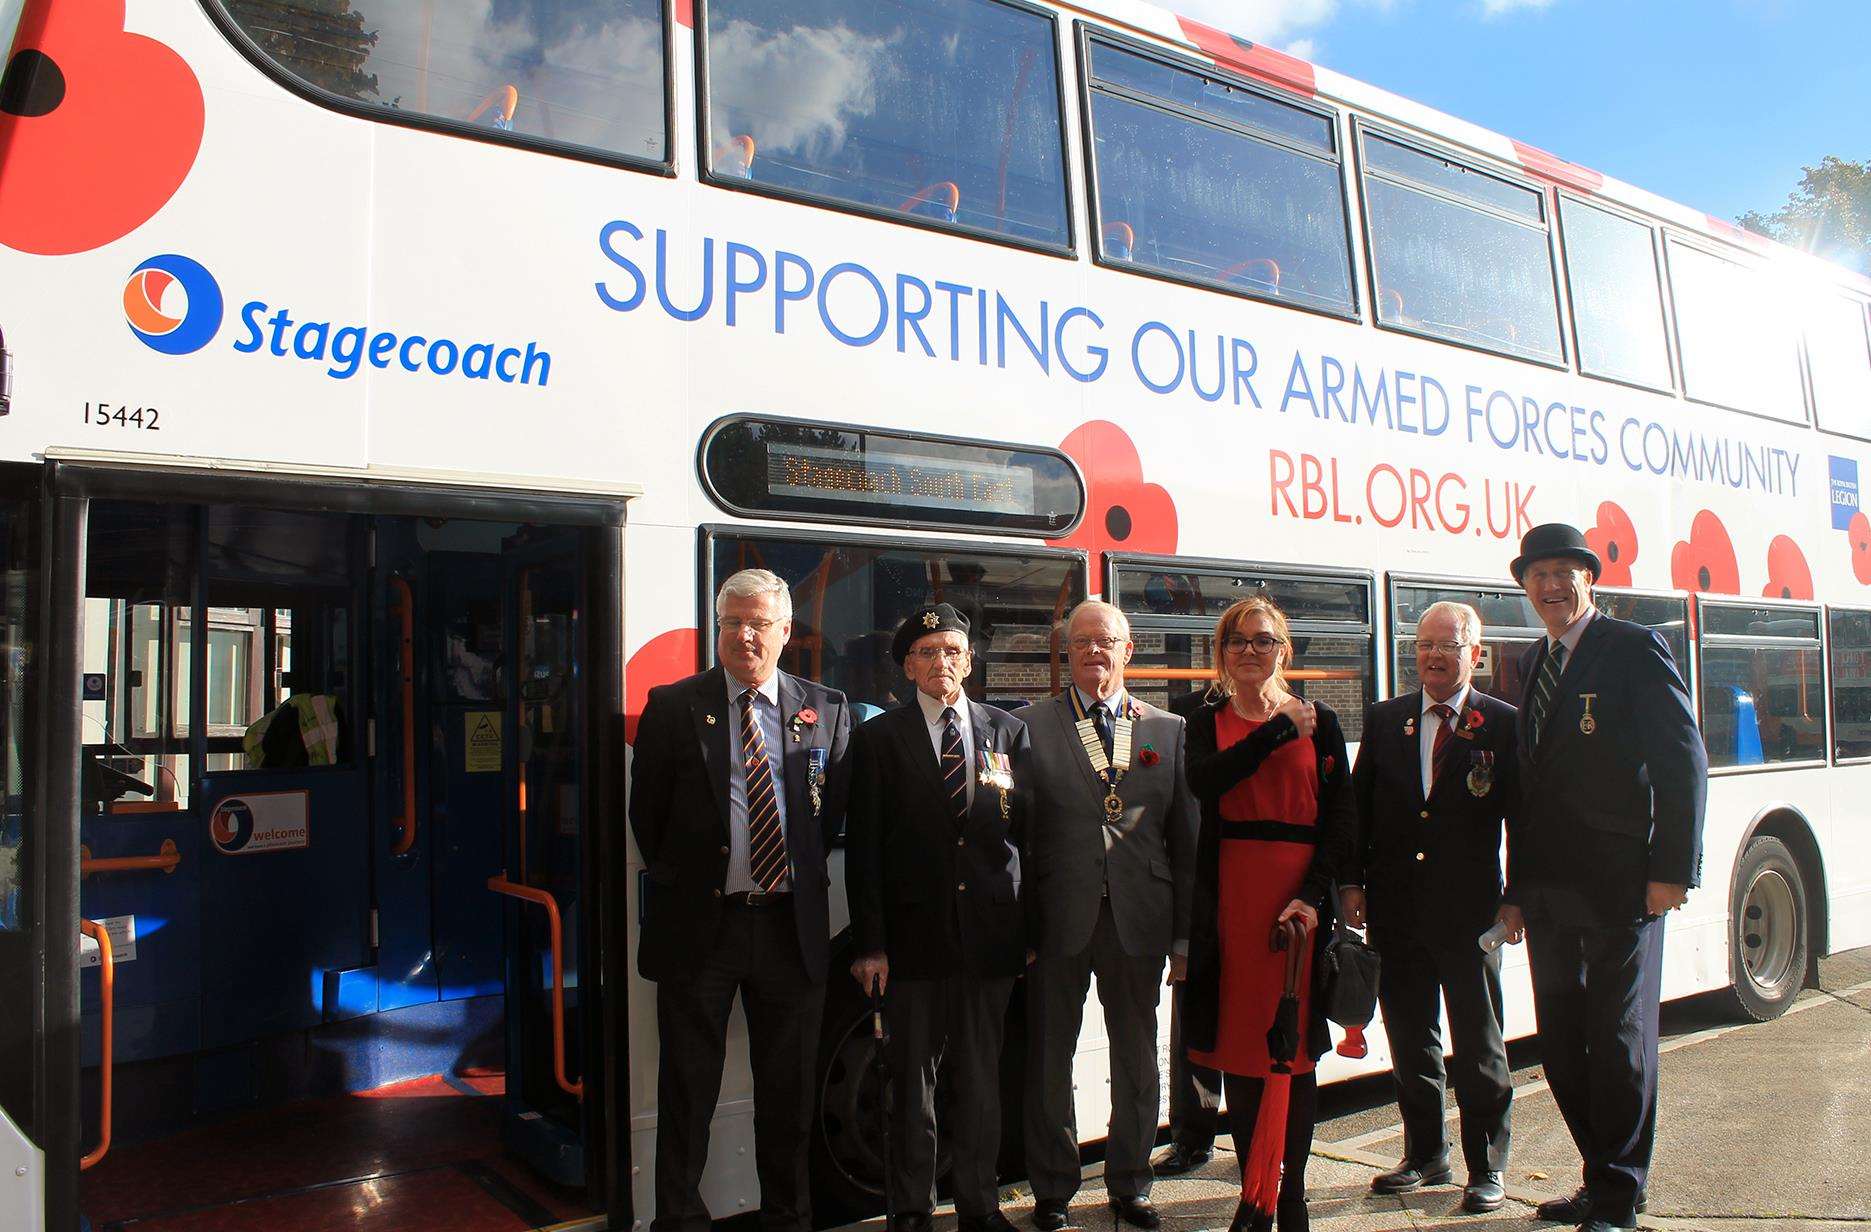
[[1348, 974]]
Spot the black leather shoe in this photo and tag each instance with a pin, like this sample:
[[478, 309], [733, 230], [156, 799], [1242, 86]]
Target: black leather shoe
[[1483, 1193], [1605, 1225], [1049, 1214], [995, 1222], [1575, 1209], [1407, 1176], [911, 1221], [1179, 1159], [1136, 1211]]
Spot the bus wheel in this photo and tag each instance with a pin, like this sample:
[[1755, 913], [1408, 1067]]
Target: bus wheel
[[1768, 935]]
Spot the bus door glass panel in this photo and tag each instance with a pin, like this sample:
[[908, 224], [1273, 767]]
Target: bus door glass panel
[[138, 776], [939, 109], [545, 852], [1173, 607], [1849, 635], [585, 73], [1508, 627], [1459, 253], [1762, 687], [286, 870], [1200, 177], [19, 612], [1838, 350]]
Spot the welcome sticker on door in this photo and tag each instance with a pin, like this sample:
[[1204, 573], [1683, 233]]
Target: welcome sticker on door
[[262, 821]]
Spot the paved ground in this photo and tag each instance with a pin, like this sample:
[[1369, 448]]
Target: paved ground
[[1760, 1125]]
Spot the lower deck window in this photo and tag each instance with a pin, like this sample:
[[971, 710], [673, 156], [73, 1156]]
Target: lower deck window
[[1763, 690]]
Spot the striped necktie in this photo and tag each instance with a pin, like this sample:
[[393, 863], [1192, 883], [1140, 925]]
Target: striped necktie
[[1439, 751], [766, 838], [954, 765], [1546, 690]]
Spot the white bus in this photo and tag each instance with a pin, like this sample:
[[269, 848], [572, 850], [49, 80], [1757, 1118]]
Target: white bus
[[388, 383]]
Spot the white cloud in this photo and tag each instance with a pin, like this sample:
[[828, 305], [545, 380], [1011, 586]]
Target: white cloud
[[1498, 8], [1303, 48], [1263, 21]]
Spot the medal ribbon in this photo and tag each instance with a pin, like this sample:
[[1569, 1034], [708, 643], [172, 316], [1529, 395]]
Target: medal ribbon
[[1110, 770]]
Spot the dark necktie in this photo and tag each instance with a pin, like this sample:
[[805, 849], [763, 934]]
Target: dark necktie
[[1101, 719], [1439, 751], [766, 838], [1546, 690], [954, 765]]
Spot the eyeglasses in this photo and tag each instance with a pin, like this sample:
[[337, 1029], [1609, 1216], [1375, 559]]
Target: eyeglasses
[[734, 624], [1262, 643], [1098, 643], [929, 654], [1447, 648]]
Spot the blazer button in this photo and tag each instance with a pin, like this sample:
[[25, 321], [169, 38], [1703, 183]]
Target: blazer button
[[962, 887], [718, 892], [961, 842], [725, 851], [1421, 856], [1425, 816]]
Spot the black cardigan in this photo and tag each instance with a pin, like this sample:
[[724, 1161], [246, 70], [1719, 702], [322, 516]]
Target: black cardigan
[[1212, 773]]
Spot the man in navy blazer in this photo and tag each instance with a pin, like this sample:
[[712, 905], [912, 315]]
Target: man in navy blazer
[[1437, 776], [1613, 777], [738, 775], [933, 875]]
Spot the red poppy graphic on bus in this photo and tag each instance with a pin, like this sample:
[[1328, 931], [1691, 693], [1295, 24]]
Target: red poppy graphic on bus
[[1788, 576], [98, 128], [664, 659], [1614, 538], [1122, 512], [1858, 533], [1706, 560]]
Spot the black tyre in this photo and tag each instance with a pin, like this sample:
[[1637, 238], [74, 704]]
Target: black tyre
[[1769, 938]]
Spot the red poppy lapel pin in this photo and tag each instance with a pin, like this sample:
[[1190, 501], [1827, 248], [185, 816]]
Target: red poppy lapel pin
[[1146, 756], [807, 717]]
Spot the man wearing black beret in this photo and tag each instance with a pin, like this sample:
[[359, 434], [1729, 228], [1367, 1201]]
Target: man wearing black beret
[[932, 872], [1613, 776]]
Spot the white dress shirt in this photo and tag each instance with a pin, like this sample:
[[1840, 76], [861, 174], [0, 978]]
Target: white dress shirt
[[767, 714], [1431, 724]]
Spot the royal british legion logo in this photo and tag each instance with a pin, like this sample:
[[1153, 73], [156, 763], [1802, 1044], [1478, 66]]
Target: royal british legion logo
[[1844, 490]]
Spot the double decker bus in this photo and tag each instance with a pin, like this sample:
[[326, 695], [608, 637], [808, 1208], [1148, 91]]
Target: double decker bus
[[386, 386]]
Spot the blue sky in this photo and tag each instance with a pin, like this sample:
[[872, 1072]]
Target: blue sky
[[1714, 103]]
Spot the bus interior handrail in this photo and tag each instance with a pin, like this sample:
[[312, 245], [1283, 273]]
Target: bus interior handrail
[[107, 987], [500, 885], [405, 608], [164, 861]]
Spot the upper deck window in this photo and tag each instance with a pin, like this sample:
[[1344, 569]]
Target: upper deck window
[[1458, 253], [586, 74], [910, 108], [1739, 335], [1839, 352], [1617, 296], [1203, 178]]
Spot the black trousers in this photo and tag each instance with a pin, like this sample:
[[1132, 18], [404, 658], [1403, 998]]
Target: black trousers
[[954, 1025], [1416, 979], [756, 955], [1130, 989], [1595, 994], [1194, 1090], [1302, 1112]]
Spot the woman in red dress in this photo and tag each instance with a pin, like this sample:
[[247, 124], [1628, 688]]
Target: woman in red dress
[[1278, 821]]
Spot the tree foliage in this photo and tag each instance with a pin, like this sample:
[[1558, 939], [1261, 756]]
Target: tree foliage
[[1829, 214]]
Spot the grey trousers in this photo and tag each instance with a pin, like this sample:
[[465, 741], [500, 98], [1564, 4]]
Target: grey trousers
[[954, 1025], [1130, 989]]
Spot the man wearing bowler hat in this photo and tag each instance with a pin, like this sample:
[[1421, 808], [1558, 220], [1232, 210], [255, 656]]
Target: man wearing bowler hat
[[933, 876], [1613, 776]]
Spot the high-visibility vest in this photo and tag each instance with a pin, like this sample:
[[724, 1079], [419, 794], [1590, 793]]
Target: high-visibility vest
[[317, 717]]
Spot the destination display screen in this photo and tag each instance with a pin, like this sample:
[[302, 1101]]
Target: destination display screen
[[832, 472]]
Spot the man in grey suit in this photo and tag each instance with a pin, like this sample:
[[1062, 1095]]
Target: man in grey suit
[[1111, 857]]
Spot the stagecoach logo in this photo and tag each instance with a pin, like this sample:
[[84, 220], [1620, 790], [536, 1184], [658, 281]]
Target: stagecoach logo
[[172, 304], [1844, 491]]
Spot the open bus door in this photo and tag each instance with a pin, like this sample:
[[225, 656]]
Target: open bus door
[[329, 794]]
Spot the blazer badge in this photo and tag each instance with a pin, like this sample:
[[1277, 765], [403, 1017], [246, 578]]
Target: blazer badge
[[1587, 724], [996, 771], [815, 778]]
